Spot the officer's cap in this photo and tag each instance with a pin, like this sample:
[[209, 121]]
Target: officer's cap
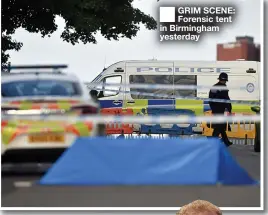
[[223, 77]]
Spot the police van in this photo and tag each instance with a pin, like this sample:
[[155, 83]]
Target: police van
[[242, 74]]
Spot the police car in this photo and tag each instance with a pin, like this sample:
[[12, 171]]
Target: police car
[[28, 91]]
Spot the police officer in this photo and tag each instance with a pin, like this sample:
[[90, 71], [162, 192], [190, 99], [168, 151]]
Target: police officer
[[218, 108]]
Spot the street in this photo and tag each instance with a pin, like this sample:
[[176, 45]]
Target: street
[[23, 191]]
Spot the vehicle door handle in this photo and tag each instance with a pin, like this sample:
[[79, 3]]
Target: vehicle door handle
[[131, 102], [117, 102]]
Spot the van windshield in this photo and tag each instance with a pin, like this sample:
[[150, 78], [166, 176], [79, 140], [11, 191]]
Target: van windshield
[[40, 88], [95, 79]]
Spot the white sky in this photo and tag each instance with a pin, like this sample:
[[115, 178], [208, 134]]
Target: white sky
[[87, 61]]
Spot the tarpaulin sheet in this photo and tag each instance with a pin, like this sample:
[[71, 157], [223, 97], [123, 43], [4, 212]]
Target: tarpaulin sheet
[[101, 161]]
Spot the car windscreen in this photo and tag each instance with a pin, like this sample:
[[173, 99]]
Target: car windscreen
[[40, 88]]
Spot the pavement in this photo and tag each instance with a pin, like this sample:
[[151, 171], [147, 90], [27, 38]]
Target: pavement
[[23, 191]]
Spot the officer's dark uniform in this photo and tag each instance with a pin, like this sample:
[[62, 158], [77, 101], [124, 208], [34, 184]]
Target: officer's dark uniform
[[218, 108]]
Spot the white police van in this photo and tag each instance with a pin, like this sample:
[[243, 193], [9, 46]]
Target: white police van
[[242, 74], [202, 73]]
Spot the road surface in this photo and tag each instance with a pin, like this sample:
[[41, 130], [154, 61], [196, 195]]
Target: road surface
[[22, 191]]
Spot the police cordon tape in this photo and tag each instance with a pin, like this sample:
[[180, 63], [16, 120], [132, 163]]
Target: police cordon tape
[[183, 97], [160, 119], [167, 86]]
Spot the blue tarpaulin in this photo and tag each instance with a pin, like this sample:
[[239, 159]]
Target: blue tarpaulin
[[101, 161]]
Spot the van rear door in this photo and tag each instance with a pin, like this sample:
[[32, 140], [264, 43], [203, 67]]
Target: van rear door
[[248, 82], [249, 93]]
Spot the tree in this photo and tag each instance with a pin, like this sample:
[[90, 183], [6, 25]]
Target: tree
[[114, 19]]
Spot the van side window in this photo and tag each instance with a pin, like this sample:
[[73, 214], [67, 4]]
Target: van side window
[[112, 90], [150, 79], [185, 80]]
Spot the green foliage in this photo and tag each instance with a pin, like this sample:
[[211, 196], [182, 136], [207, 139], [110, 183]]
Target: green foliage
[[84, 18]]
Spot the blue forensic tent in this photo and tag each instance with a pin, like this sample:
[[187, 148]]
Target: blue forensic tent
[[101, 161]]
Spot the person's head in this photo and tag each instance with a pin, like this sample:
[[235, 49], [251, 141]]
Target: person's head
[[223, 78], [93, 94], [199, 207]]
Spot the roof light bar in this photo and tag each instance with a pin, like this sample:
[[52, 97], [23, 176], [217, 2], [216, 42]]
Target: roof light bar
[[56, 66]]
